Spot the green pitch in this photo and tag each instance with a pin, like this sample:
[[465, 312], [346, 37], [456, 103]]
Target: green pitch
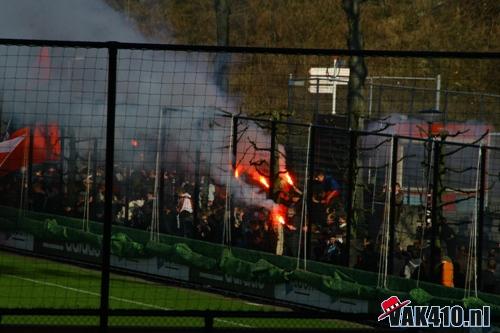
[[27, 282]]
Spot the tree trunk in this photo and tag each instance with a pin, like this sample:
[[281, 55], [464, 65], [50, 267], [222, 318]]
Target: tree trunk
[[222, 14], [355, 111], [355, 98]]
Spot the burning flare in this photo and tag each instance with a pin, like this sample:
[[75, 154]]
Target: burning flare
[[264, 181], [288, 179], [278, 214]]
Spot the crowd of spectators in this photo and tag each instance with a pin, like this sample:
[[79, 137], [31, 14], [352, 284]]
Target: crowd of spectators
[[412, 257], [184, 215], [198, 210]]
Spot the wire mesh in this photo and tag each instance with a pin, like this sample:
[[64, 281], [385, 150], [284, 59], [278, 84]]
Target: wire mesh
[[53, 131], [214, 210]]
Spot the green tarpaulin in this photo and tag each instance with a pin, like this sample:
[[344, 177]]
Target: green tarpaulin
[[240, 263]]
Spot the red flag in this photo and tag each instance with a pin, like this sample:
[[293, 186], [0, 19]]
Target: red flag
[[12, 154]]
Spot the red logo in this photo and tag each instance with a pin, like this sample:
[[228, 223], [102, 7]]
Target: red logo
[[390, 305]]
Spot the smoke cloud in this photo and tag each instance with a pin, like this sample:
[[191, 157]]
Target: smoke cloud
[[82, 20], [68, 86]]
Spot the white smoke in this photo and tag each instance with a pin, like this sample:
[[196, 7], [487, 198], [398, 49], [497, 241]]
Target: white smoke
[[74, 94], [77, 20]]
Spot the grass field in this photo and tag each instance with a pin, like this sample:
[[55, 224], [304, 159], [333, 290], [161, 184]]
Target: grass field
[[27, 282]]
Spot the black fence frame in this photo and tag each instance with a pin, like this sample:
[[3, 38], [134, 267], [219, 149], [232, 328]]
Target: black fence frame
[[104, 312], [353, 135]]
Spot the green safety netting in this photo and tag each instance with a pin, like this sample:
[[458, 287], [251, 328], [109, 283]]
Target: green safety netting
[[241, 263], [124, 246], [419, 296], [190, 257], [261, 270]]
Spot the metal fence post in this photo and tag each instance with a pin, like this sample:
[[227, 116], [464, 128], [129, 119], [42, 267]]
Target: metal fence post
[[196, 192], [379, 101], [61, 161], [480, 216], [310, 182], [234, 137], [316, 109], [350, 193], [272, 162], [108, 195], [93, 213], [30, 170], [234, 162], [161, 175], [434, 208], [392, 203]]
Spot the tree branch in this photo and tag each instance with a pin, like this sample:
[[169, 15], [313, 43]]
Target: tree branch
[[445, 188], [459, 171], [463, 147], [444, 204], [376, 146]]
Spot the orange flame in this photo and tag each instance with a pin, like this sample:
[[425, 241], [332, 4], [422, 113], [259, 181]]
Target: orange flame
[[278, 214], [237, 173], [261, 180], [288, 179], [264, 181]]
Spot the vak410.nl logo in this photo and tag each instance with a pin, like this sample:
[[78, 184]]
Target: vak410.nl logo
[[402, 314]]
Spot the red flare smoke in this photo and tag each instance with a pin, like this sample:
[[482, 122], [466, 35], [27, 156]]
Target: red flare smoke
[[43, 63]]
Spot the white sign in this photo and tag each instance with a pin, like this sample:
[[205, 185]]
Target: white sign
[[323, 80]]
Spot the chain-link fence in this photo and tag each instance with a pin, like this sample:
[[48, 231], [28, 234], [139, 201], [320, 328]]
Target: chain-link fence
[[142, 187]]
